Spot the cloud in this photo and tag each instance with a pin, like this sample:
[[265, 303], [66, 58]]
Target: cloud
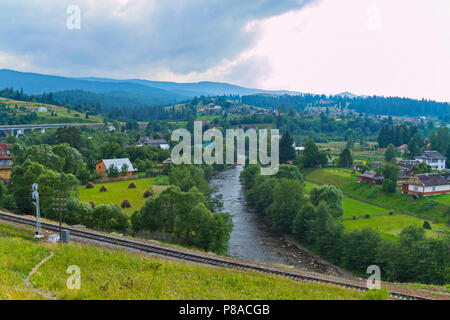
[[131, 37]]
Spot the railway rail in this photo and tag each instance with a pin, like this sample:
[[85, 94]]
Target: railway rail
[[214, 261]]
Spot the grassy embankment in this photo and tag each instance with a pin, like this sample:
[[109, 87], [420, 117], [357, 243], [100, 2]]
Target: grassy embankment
[[374, 196], [118, 191], [117, 274], [45, 117], [352, 207]]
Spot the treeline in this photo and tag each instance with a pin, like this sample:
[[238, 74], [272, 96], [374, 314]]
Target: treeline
[[10, 93], [324, 129], [314, 222], [394, 106], [414, 137]]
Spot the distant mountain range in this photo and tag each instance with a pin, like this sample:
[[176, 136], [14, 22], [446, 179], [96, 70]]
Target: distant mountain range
[[129, 92]]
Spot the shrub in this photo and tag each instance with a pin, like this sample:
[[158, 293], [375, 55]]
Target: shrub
[[125, 204], [161, 180], [426, 225], [147, 194], [372, 194], [367, 216], [103, 189], [380, 294], [428, 205], [132, 185], [90, 185]]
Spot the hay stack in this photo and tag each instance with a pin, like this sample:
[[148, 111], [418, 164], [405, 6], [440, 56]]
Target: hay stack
[[103, 189], [90, 185], [125, 204], [132, 185], [147, 194]]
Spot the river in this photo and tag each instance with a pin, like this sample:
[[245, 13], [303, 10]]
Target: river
[[252, 239]]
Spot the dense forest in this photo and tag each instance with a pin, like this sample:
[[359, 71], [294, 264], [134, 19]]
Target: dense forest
[[393, 106]]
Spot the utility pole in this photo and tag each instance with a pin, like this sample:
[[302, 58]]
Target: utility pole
[[35, 197], [60, 206]]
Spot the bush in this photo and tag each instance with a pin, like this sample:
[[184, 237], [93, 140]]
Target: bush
[[90, 185], [161, 180], [132, 185], [8, 202], [426, 225], [103, 189], [372, 194], [380, 294], [367, 216], [389, 186], [428, 205]]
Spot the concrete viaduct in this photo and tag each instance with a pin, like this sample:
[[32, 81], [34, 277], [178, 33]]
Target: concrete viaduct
[[9, 130]]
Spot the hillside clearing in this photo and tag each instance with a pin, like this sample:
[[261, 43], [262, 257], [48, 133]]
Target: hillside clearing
[[118, 191], [116, 274]]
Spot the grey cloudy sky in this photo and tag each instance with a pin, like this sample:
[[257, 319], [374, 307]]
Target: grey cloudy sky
[[385, 47], [130, 37]]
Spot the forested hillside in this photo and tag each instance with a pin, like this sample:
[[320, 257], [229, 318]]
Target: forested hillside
[[394, 106]]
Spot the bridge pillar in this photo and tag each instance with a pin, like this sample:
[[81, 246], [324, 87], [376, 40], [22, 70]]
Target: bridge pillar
[[42, 130], [19, 132]]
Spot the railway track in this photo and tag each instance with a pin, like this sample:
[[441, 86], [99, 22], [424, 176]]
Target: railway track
[[182, 255]]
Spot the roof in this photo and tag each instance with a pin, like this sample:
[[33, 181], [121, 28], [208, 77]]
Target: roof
[[431, 179], [5, 151], [371, 175], [431, 155], [403, 175], [151, 141], [118, 163]]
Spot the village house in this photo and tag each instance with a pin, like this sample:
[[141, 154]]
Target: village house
[[104, 166], [158, 143], [433, 159], [370, 177], [407, 165], [377, 164], [427, 184], [5, 162], [403, 148], [42, 109]]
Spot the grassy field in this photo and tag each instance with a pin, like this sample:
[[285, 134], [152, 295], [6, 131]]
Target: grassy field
[[445, 199], [429, 206], [393, 225], [116, 274], [334, 176], [118, 191], [45, 117]]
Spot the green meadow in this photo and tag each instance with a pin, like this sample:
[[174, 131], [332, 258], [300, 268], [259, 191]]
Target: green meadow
[[430, 207], [389, 226], [118, 191], [63, 116], [117, 274]]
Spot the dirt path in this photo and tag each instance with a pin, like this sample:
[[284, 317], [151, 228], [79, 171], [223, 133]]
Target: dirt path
[[28, 283]]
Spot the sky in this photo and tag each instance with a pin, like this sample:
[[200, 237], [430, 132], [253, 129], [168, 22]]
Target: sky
[[382, 47]]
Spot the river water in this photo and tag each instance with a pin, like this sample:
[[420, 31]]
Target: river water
[[252, 239]]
